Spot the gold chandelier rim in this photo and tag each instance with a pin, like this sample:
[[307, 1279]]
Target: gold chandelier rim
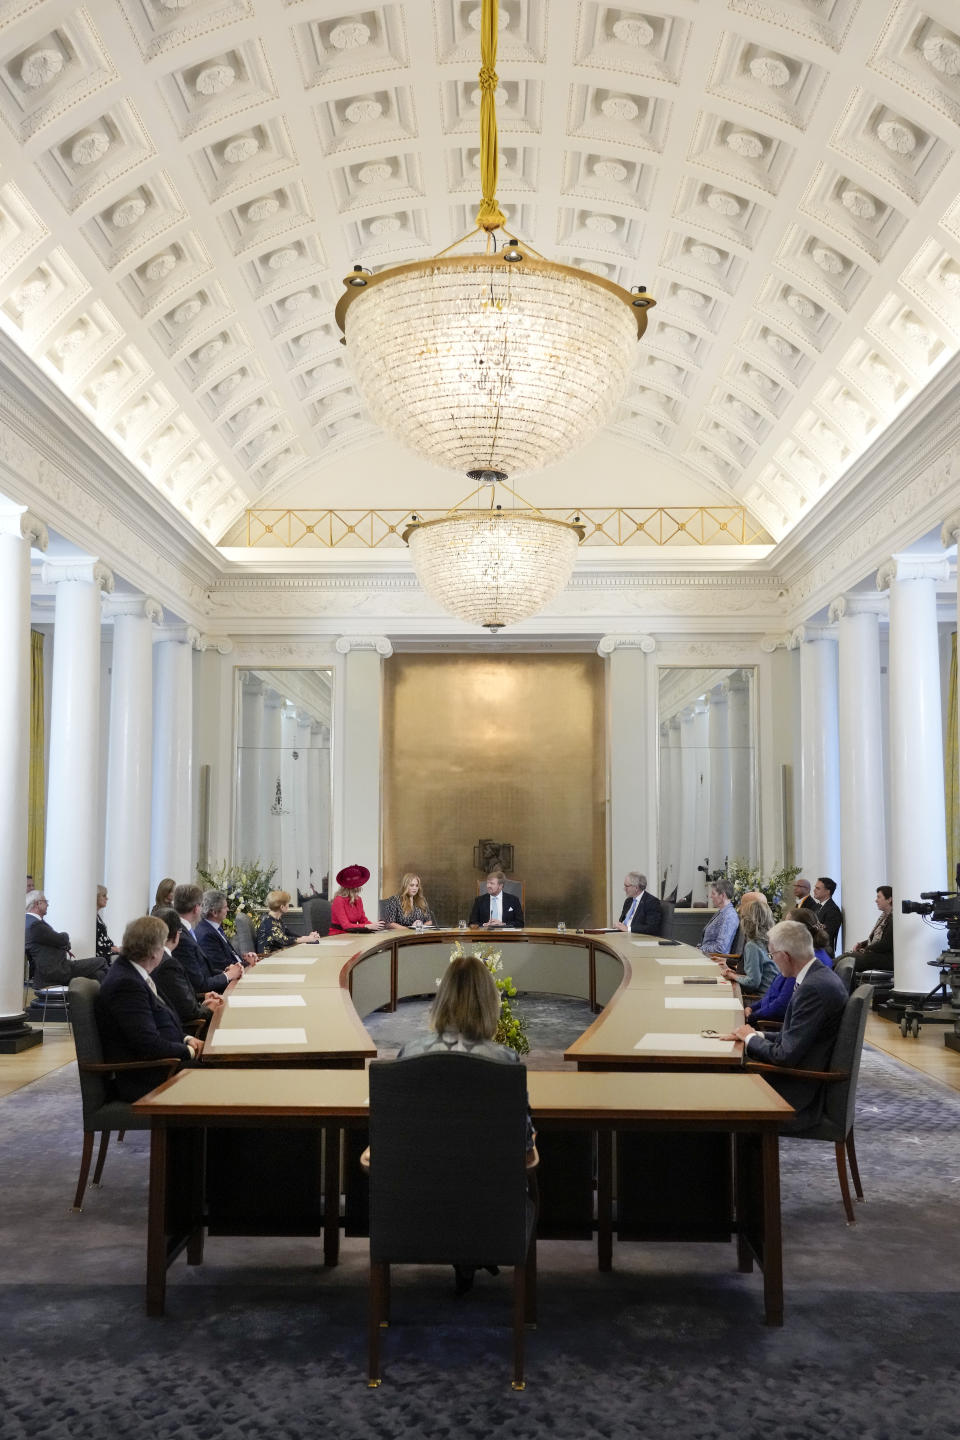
[[497, 515], [640, 304]]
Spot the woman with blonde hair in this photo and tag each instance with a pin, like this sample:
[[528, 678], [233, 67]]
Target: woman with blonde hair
[[272, 934], [408, 909], [759, 971]]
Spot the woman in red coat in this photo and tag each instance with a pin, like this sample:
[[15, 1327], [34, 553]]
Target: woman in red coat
[[346, 911]]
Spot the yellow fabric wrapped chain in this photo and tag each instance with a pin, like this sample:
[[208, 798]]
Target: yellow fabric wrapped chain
[[489, 216]]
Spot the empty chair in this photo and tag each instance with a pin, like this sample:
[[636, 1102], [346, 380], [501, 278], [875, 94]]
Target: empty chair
[[667, 908], [316, 915], [448, 1178], [244, 933]]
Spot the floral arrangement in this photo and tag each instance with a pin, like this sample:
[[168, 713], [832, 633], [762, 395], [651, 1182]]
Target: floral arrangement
[[245, 886], [775, 887], [511, 1028]]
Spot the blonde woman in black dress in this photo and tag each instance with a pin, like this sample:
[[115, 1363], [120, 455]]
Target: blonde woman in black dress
[[272, 934], [409, 909]]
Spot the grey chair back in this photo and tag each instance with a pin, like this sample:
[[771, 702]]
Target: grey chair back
[[382, 907], [86, 1038], [667, 908], [844, 970], [447, 1171], [244, 934], [316, 914], [841, 1098]]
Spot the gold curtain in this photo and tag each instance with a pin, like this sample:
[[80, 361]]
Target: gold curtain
[[952, 769], [36, 827]]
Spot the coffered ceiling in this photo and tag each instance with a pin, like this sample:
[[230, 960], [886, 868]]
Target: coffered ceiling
[[184, 183]]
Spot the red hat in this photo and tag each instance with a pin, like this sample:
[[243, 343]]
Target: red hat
[[351, 877]]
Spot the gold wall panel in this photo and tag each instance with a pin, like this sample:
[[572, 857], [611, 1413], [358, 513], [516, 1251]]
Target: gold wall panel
[[506, 747]]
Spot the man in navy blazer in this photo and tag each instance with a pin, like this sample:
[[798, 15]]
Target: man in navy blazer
[[209, 934], [135, 1023], [810, 1024], [641, 913], [828, 911], [204, 971], [497, 907]]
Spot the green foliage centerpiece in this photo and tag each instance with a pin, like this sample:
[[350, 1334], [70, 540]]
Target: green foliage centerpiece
[[245, 886], [511, 1028]]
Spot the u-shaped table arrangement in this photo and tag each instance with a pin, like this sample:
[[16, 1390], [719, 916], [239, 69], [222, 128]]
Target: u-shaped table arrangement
[[657, 1135]]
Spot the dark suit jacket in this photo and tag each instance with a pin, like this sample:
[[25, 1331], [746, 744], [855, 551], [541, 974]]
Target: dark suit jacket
[[831, 918], [176, 988], [47, 949], [647, 916], [204, 963], [807, 903], [512, 910], [135, 1025], [806, 1041]]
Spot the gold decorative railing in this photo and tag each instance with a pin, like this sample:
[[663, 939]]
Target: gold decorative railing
[[604, 525]]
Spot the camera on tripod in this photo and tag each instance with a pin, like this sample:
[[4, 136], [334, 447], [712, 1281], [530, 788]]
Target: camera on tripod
[[711, 875], [943, 908]]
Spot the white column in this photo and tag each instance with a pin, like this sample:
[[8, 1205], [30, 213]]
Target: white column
[[742, 770], [18, 531], [270, 807], [288, 822], [701, 798], [70, 876], [632, 822], [862, 819], [918, 846], [675, 792], [719, 740], [319, 803], [129, 760], [819, 750], [303, 801], [363, 704], [171, 834], [688, 803], [250, 769]]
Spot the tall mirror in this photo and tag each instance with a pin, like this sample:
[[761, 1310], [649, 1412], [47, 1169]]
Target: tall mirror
[[283, 808], [707, 776]]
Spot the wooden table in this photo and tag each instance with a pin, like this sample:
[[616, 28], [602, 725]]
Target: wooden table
[[196, 1102]]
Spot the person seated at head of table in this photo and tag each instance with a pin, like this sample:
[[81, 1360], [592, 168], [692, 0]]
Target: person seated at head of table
[[721, 929], [496, 906], [346, 908], [409, 908], [759, 971], [172, 980], [134, 1020], [272, 934]]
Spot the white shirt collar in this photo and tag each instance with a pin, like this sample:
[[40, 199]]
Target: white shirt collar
[[802, 976], [145, 974]]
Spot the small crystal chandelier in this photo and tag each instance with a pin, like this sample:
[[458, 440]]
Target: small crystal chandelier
[[493, 567], [490, 361]]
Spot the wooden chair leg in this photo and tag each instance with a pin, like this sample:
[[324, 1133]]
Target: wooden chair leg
[[120, 1136], [101, 1156], [85, 1159], [844, 1183], [379, 1288], [519, 1306], [530, 1285], [854, 1170]]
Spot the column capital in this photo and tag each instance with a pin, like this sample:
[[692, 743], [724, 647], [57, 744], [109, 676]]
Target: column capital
[[950, 534], [913, 567], [84, 568], [770, 643], [806, 634], [221, 643], [179, 635], [252, 684], [18, 520], [610, 643], [380, 643], [273, 700], [735, 683], [846, 606], [142, 607], [320, 735], [719, 694]]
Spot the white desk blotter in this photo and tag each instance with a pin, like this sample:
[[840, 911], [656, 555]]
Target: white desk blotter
[[690, 964], [702, 1002], [253, 977], [287, 960], [683, 1045], [249, 1039], [236, 1001]]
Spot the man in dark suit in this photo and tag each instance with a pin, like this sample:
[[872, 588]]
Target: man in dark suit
[[828, 912], [810, 1024], [641, 913], [497, 907], [48, 950], [135, 1023], [173, 982], [211, 937], [203, 972], [802, 898]]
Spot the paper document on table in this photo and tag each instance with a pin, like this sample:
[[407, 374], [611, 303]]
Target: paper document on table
[[254, 977], [702, 1002], [287, 960], [239, 1001], [248, 1039], [683, 1045], [688, 963]]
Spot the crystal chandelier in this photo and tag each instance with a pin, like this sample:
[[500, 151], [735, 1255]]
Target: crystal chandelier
[[492, 360]]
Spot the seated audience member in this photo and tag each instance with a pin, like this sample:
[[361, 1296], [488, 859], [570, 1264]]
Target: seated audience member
[[165, 892], [876, 952], [135, 1023], [819, 935], [272, 934], [496, 906], [759, 971], [51, 960], [721, 930], [409, 907], [641, 913], [211, 936], [802, 899], [810, 1023], [827, 911], [105, 946], [172, 981], [346, 909], [773, 1005], [203, 974]]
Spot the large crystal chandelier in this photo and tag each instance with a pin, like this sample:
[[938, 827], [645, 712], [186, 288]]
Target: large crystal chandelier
[[490, 360]]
